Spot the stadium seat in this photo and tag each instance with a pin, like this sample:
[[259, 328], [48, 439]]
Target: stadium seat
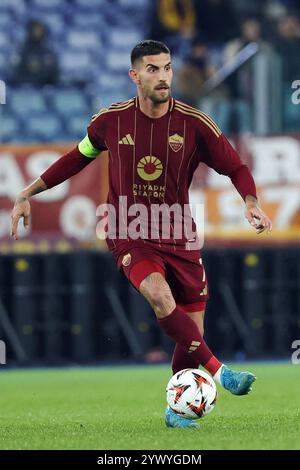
[[88, 22], [86, 40], [5, 41], [55, 23], [76, 126], [24, 101], [136, 5], [123, 38], [10, 127], [15, 6], [77, 66], [3, 64], [70, 101], [136, 11], [120, 81], [44, 127], [117, 61], [6, 20], [47, 4], [106, 97], [91, 4]]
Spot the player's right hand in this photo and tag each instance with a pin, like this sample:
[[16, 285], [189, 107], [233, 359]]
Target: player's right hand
[[21, 210]]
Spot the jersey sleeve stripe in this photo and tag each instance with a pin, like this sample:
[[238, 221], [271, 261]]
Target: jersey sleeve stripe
[[210, 120], [189, 108], [200, 113], [122, 103], [102, 111], [109, 110], [120, 108], [199, 116]]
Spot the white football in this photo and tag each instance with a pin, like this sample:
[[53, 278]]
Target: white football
[[192, 393]]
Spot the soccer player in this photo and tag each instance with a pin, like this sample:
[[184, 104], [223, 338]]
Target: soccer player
[[155, 144]]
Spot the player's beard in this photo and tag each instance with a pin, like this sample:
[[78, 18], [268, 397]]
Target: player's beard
[[158, 98]]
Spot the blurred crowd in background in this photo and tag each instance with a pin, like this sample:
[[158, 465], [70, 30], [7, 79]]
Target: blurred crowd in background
[[64, 59]]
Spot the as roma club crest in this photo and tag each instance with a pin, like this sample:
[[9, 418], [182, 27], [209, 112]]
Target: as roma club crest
[[126, 259], [176, 142]]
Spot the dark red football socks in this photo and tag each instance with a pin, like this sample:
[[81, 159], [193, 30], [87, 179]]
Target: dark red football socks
[[184, 332], [182, 360]]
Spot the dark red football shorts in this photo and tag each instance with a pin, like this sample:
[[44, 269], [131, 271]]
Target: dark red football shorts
[[182, 269]]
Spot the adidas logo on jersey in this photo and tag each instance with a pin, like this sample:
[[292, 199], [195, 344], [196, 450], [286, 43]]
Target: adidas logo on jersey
[[127, 140]]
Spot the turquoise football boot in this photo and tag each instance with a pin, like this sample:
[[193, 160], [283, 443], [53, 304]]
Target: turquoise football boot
[[238, 383], [173, 420]]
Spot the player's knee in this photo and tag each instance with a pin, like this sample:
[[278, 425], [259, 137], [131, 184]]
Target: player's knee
[[163, 304], [160, 299], [158, 293]]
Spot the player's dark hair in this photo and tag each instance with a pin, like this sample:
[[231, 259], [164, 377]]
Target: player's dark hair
[[148, 47]]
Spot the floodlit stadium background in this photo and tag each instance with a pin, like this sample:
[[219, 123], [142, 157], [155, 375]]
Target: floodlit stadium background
[[61, 299]]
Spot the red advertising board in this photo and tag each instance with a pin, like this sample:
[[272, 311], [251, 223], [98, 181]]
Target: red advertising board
[[275, 164], [68, 212]]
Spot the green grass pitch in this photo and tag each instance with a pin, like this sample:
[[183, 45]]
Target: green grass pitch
[[123, 408]]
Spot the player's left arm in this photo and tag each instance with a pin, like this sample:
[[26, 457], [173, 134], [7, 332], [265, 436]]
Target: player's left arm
[[219, 154]]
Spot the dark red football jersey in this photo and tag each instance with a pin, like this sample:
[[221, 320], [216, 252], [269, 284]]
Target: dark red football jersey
[[152, 161]]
